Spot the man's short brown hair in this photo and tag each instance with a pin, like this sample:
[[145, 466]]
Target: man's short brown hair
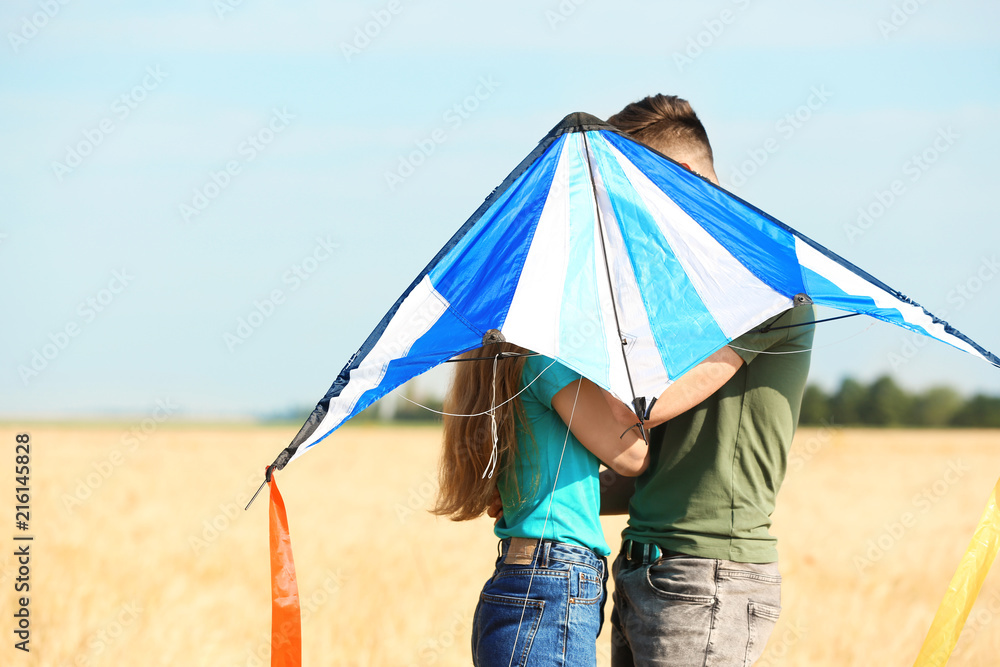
[[666, 123]]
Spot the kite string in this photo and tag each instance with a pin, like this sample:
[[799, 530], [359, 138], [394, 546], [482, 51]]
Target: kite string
[[525, 388], [480, 414], [492, 464], [545, 523], [808, 349]]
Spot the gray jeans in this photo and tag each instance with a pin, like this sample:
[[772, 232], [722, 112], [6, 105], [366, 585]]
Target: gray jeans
[[685, 611]]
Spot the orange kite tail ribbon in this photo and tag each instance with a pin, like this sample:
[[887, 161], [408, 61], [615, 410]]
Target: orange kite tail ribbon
[[964, 587], [286, 622]]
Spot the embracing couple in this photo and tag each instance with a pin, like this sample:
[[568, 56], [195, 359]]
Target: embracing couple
[[696, 576]]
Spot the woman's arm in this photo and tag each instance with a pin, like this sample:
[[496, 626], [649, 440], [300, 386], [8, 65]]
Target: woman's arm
[[594, 424], [690, 390]]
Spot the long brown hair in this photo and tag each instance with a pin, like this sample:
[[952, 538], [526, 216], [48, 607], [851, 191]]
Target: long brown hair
[[468, 443]]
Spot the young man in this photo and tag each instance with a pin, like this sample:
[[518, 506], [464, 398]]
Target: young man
[[696, 581]]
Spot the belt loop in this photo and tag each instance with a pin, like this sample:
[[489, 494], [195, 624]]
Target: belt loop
[[544, 558], [645, 554]]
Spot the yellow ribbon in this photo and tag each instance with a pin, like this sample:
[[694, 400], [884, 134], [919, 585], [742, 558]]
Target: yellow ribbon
[[964, 587]]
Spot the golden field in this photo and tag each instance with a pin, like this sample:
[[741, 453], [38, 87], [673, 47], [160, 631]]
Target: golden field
[[143, 554]]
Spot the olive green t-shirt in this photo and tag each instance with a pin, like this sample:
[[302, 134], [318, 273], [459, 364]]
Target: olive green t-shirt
[[715, 470]]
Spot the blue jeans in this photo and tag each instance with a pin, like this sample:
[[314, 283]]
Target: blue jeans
[[556, 622], [684, 611]]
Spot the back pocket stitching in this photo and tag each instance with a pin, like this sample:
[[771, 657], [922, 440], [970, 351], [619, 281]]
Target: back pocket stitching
[[521, 602], [584, 577], [763, 611], [754, 576], [680, 597]]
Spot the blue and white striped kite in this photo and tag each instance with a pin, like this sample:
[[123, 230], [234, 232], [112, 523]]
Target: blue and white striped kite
[[615, 260]]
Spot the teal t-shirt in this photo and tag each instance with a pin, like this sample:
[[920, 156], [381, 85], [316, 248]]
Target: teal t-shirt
[[574, 515]]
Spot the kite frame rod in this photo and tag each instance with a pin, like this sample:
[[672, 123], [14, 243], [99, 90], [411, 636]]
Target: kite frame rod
[[639, 411], [802, 324], [502, 355]]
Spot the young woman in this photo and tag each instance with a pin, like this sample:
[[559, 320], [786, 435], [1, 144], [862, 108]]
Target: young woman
[[544, 603]]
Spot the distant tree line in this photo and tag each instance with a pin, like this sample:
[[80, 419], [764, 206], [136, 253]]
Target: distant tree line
[[884, 403]]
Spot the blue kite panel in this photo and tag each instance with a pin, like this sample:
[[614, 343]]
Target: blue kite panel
[[581, 309], [765, 249], [480, 274], [448, 337], [825, 293], [681, 323]]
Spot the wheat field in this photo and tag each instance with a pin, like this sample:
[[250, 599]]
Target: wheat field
[[143, 554]]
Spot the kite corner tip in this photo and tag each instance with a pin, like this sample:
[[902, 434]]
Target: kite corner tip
[[493, 336], [279, 463]]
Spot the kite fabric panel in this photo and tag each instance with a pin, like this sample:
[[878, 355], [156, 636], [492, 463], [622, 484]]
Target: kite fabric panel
[[618, 262]]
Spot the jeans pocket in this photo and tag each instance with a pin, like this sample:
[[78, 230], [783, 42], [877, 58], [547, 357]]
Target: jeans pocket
[[589, 588], [504, 628], [671, 611], [680, 581], [762, 619]]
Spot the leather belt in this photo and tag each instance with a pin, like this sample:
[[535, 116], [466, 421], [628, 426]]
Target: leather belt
[[645, 553]]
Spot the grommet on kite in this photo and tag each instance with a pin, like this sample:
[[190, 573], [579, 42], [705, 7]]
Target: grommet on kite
[[616, 261]]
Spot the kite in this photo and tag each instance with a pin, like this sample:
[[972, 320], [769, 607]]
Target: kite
[[616, 261]]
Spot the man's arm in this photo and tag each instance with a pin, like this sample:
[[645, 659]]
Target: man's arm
[[697, 384], [690, 390]]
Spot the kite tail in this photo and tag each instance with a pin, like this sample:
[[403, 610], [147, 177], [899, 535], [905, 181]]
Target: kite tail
[[964, 587], [286, 622]]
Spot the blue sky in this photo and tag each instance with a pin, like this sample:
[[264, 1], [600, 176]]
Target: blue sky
[[115, 116]]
